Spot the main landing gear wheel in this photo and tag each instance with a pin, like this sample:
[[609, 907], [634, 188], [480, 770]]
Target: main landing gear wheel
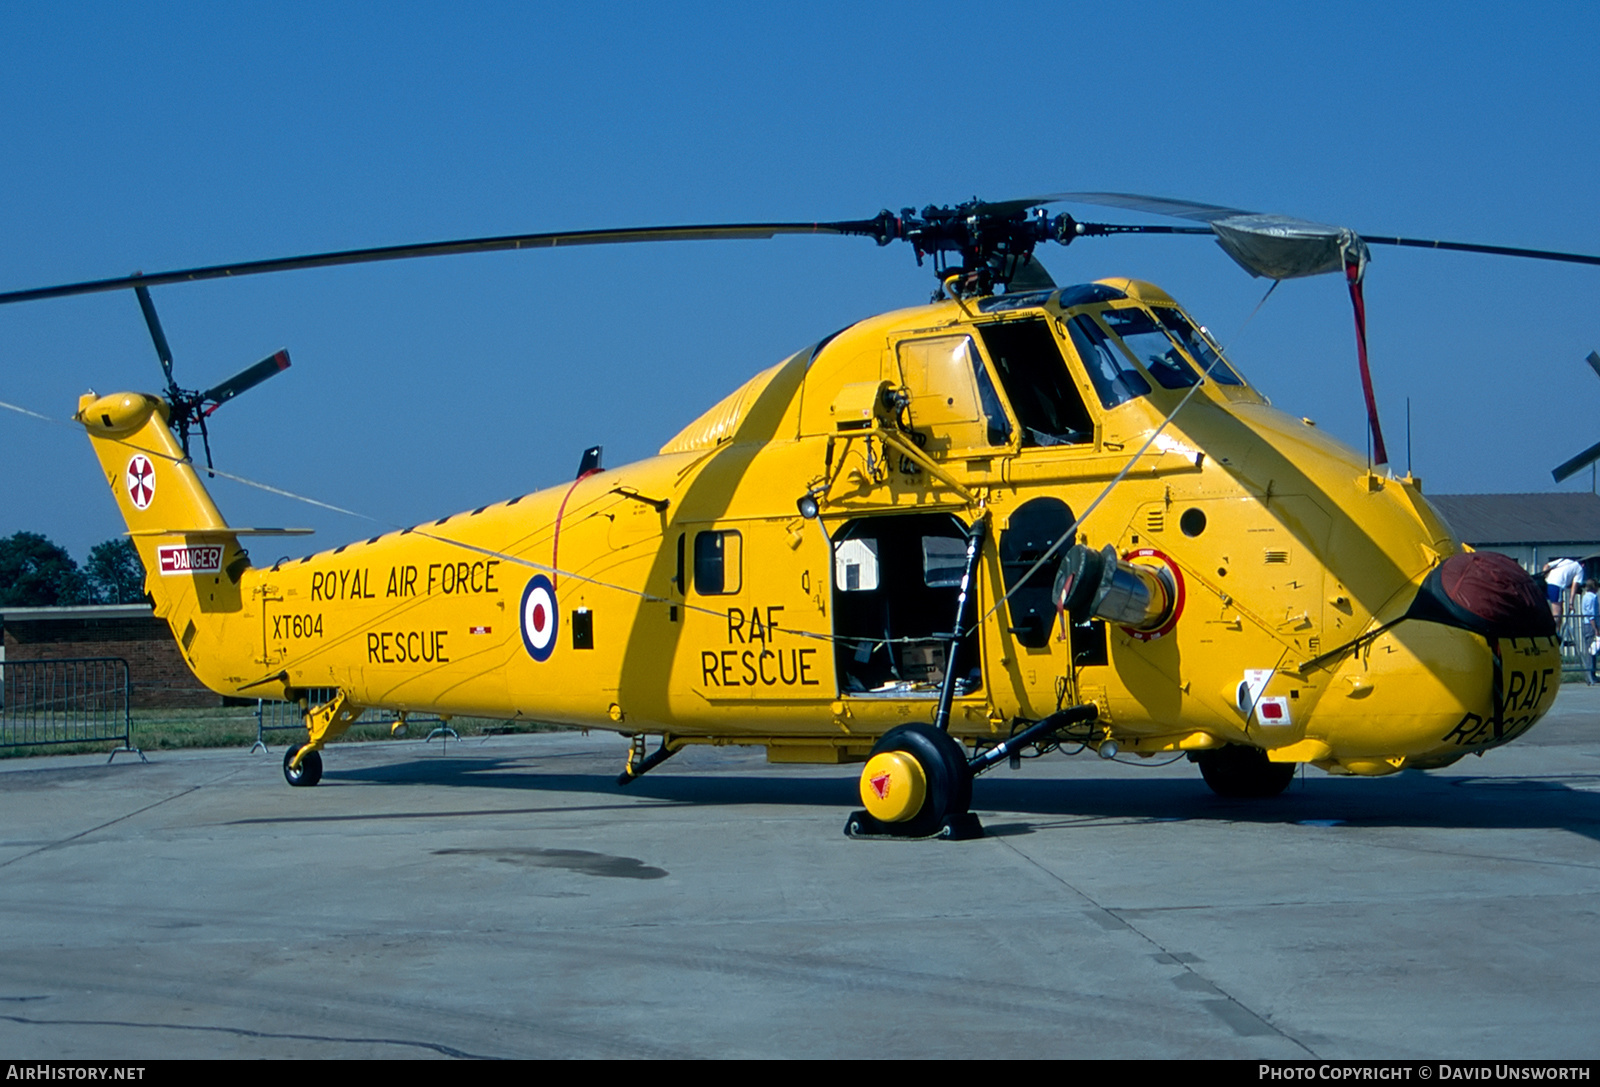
[[1245, 772], [309, 772], [916, 784]]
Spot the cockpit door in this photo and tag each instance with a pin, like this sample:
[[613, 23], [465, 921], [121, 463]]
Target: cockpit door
[[953, 404]]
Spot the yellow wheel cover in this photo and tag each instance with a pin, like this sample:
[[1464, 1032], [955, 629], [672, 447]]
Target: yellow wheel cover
[[893, 786]]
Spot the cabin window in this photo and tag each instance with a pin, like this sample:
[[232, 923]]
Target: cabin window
[[1038, 384], [1115, 379], [718, 563], [1199, 346], [951, 394], [1147, 342]]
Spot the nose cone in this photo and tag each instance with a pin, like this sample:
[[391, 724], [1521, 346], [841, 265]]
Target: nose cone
[[1486, 593], [1473, 665]]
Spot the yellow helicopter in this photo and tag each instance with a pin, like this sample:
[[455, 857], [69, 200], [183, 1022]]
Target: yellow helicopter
[[1018, 517]]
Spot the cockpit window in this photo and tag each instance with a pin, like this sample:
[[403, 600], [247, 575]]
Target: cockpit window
[[1036, 381], [1151, 346], [1114, 378], [1199, 347]]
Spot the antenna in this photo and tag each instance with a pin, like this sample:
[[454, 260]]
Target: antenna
[[1409, 472]]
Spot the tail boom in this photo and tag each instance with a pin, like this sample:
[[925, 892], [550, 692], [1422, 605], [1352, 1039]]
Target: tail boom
[[192, 559]]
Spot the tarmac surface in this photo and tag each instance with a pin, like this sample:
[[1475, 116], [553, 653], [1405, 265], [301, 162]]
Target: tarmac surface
[[504, 898]]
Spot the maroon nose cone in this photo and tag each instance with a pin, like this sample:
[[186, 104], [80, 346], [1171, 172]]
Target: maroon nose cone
[[1487, 593]]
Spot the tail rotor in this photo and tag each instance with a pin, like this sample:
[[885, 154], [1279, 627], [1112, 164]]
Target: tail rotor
[[190, 408]]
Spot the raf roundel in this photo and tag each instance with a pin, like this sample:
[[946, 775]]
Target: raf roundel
[[539, 617], [141, 481]]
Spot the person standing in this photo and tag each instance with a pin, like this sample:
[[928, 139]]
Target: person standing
[[1561, 578], [1589, 608]]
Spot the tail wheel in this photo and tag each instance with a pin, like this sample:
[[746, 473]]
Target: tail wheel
[[1246, 772], [309, 772], [915, 777]]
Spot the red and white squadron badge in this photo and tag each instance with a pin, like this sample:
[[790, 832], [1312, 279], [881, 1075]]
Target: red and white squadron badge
[[141, 481]]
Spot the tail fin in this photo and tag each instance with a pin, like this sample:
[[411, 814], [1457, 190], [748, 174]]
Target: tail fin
[[192, 559]]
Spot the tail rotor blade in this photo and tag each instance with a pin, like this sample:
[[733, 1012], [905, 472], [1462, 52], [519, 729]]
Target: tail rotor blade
[[163, 352], [245, 379]]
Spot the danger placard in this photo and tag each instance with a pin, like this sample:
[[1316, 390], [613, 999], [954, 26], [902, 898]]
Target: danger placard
[[202, 559]]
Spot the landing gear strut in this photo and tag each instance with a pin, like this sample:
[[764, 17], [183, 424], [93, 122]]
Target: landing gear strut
[[302, 765], [639, 763]]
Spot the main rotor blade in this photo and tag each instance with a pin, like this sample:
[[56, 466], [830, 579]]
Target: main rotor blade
[[153, 323], [1154, 205], [245, 379], [556, 240], [1578, 463], [1495, 250], [1582, 460], [1211, 213]]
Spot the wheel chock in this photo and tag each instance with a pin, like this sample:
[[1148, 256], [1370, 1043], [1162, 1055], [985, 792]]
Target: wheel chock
[[959, 826]]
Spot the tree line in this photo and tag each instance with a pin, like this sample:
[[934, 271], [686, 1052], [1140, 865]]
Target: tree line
[[36, 572]]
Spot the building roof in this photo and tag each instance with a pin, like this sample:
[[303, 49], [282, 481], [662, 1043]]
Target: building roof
[[76, 611], [1504, 519]]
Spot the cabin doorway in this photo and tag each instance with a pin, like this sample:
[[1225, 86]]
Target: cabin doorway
[[896, 582]]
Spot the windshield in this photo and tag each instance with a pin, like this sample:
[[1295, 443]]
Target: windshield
[[1199, 346], [1151, 346], [1115, 379]]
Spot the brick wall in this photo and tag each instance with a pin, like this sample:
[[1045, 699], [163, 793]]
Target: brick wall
[[157, 671]]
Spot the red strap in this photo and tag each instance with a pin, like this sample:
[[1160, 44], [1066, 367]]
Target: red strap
[[555, 544], [1352, 273]]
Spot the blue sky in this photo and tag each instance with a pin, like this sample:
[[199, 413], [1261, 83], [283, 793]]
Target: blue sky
[[174, 135]]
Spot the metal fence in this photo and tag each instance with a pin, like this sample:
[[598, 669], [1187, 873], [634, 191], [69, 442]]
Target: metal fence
[[83, 700], [1572, 630], [272, 716]]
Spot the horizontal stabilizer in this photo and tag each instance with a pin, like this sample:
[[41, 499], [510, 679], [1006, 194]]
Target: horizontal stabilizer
[[224, 530]]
